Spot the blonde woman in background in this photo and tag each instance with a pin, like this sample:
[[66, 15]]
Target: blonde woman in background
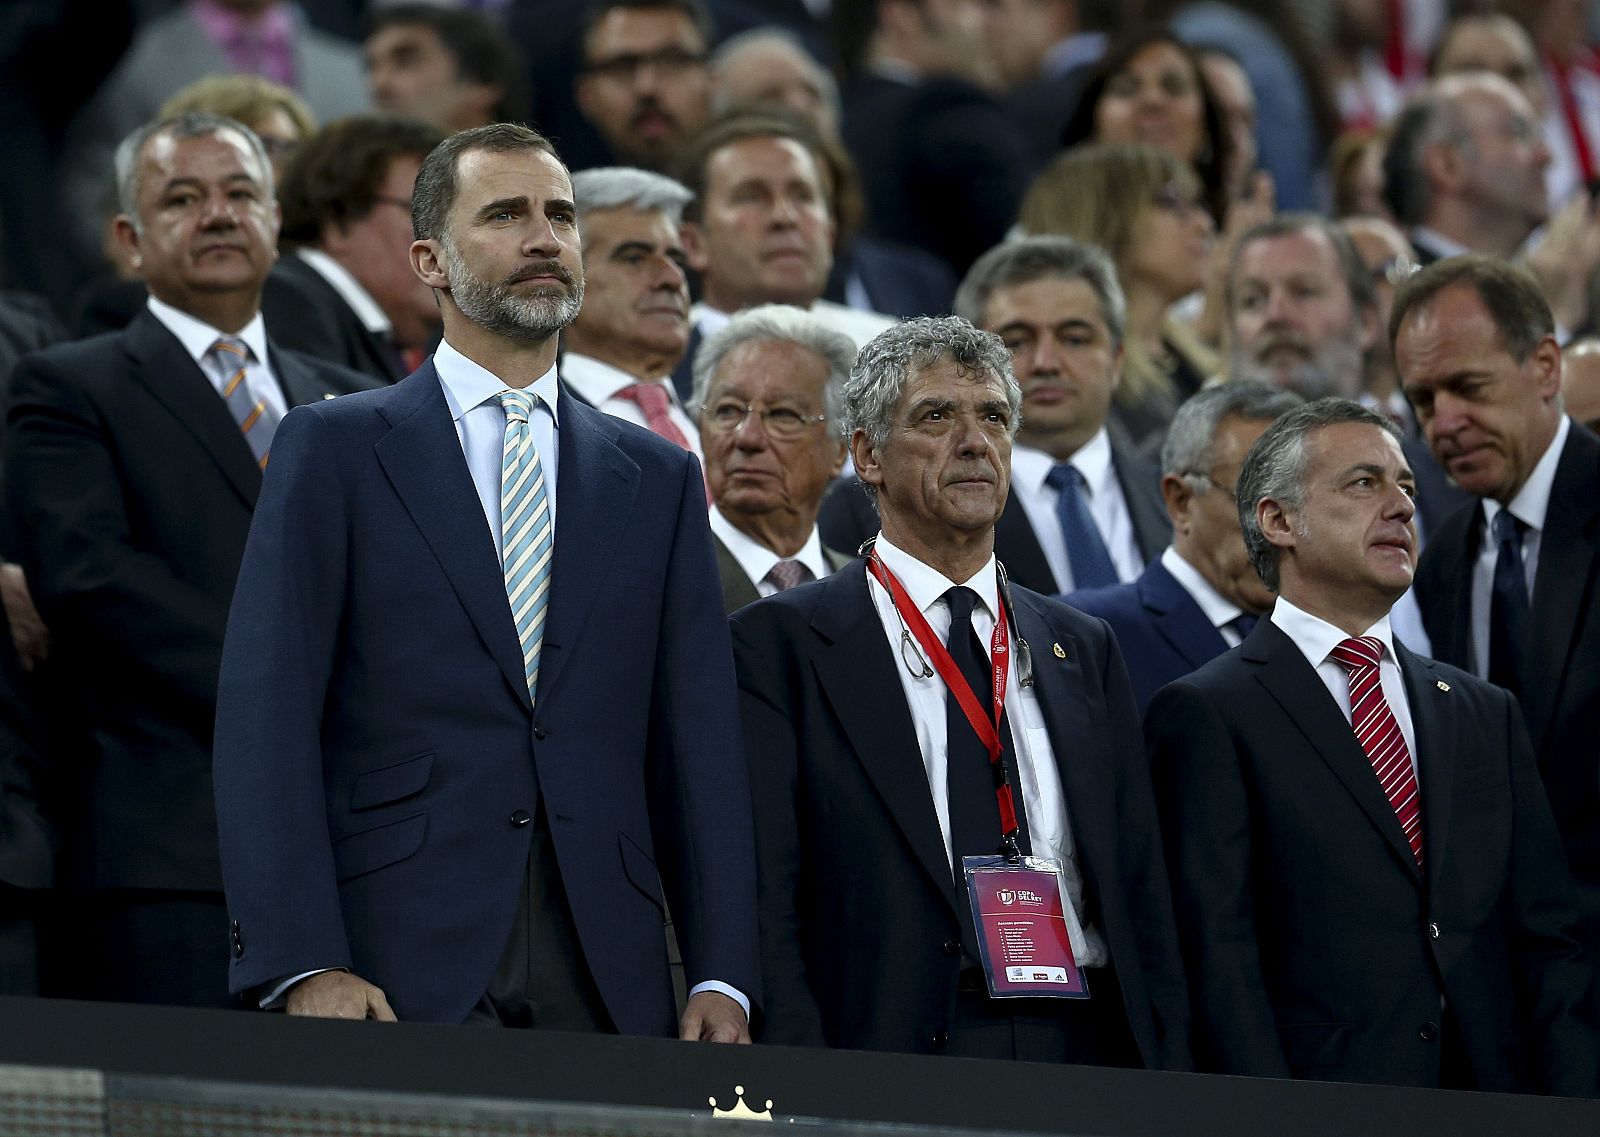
[[279, 117], [1144, 207]]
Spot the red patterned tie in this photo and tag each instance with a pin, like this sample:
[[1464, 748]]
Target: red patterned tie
[[653, 400], [1379, 734]]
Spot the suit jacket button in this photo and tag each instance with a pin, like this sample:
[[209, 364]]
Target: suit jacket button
[[952, 947], [519, 818], [539, 733], [1428, 1032], [1433, 930], [238, 940], [941, 1040]]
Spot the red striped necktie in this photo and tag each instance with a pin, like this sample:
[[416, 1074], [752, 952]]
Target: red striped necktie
[[1379, 734]]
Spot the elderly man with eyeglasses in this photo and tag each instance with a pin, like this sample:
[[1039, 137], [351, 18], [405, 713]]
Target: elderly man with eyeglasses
[[766, 393]]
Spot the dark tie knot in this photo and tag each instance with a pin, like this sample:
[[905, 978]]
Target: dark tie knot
[[1508, 530], [518, 405], [1363, 652], [962, 601], [1063, 475]]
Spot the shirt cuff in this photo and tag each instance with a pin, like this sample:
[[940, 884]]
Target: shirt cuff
[[733, 993], [275, 999]]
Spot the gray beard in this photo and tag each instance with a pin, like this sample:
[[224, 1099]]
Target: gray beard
[[527, 318], [1336, 369]]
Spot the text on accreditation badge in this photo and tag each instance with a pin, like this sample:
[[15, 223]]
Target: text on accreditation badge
[[1021, 921]]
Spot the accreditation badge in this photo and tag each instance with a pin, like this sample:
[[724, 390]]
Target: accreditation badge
[[1024, 938]]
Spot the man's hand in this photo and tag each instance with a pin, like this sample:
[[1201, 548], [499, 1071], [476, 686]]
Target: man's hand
[[1566, 259], [27, 629], [713, 1017], [340, 995]]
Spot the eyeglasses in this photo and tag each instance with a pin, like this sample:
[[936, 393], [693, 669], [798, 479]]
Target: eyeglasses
[[670, 61], [1231, 491], [779, 422], [1396, 270]]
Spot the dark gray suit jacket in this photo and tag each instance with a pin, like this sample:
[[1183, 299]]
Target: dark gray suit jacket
[[737, 587]]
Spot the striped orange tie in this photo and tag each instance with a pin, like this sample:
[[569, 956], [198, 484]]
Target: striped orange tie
[[257, 421]]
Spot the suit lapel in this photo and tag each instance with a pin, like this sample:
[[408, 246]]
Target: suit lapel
[[857, 674], [422, 458], [596, 486], [1438, 740], [737, 587], [176, 381], [1177, 618], [300, 382], [1294, 684], [1457, 547]]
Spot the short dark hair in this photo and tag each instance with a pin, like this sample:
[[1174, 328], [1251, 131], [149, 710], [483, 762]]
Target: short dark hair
[[1045, 257], [482, 50], [1357, 279], [437, 184], [1424, 120], [598, 10], [1512, 298], [335, 176], [740, 126]]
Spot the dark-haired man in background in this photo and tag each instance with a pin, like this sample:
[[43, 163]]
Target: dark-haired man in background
[[452, 67]]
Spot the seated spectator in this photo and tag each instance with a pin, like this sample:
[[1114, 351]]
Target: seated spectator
[[767, 395], [1141, 204], [771, 67], [454, 68], [1045, 51]]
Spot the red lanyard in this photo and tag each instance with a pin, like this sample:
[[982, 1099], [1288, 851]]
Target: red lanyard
[[987, 729]]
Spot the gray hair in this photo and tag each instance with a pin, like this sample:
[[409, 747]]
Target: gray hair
[[1190, 446], [1357, 280], [1276, 468], [895, 356], [1028, 259], [624, 187], [189, 124], [779, 323], [735, 45]]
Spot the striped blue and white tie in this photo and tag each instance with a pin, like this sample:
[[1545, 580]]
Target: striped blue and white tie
[[525, 531]]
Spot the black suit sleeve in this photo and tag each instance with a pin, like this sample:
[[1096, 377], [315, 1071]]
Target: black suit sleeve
[[92, 584], [793, 1017], [1205, 813]]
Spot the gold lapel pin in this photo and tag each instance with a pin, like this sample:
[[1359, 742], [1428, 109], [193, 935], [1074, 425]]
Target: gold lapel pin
[[329, 395], [1442, 685], [1060, 652]]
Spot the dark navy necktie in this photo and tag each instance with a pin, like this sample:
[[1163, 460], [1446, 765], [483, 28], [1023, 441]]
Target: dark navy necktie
[[1508, 605], [1086, 549]]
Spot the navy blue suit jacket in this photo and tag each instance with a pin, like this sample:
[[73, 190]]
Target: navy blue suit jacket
[[377, 756], [1162, 632]]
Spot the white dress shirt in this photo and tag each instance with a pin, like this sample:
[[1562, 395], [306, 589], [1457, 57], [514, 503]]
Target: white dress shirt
[[1316, 639], [1103, 494], [757, 560], [198, 337], [1216, 607], [1529, 506], [1044, 802], [350, 290], [599, 383]]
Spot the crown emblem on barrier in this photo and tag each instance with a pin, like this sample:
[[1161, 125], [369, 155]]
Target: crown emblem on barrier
[[740, 1110]]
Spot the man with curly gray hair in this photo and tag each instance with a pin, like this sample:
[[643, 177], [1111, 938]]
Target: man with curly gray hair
[[874, 776]]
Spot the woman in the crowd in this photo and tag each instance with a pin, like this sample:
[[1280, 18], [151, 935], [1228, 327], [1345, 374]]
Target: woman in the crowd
[[279, 117], [1144, 207]]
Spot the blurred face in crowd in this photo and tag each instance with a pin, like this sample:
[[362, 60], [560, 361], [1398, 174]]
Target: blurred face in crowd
[[1503, 157], [944, 470], [1486, 417], [636, 295], [207, 224], [1389, 258], [765, 235], [1156, 100], [1349, 551], [410, 72], [1205, 517], [768, 474], [1171, 244], [281, 137], [1294, 322], [1062, 354], [376, 250], [775, 72], [1580, 382], [1492, 43], [645, 85], [946, 37], [1019, 34], [1230, 86]]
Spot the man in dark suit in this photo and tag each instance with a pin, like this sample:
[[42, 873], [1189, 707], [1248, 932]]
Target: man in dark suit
[[872, 785], [1368, 881], [133, 463], [487, 821], [1201, 596], [346, 203], [1084, 512], [1510, 585], [767, 396]]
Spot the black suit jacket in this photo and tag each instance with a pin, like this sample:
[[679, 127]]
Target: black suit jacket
[[857, 895], [132, 490], [1315, 947], [1561, 697], [899, 280], [737, 587], [305, 313], [849, 517]]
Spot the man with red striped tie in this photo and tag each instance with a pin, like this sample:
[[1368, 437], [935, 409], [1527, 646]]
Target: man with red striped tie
[[1368, 881]]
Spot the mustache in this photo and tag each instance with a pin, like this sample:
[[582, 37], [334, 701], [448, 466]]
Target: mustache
[[648, 106], [542, 268]]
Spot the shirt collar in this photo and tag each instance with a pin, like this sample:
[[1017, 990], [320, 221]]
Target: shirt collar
[[1031, 466], [1217, 608], [1316, 638], [1532, 501], [197, 336], [756, 559], [926, 585], [1436, 241], [349, 289], [597, 380], [468, 385]]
